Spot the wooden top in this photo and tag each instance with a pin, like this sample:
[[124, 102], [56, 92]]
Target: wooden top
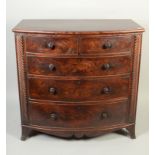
[[78, 26]]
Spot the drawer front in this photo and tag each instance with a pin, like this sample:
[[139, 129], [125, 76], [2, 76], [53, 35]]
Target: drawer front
[[63, 44], [78, 90], [79, 66], [69, 115], [105, 45]]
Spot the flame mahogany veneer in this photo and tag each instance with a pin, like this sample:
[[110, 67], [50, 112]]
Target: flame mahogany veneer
[[78, 78]]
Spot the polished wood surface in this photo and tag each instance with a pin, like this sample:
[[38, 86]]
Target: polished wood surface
[[61, 44], [76, 116], [95, 44], [78, 78], [78, 26], [102, 66], [78, 90]]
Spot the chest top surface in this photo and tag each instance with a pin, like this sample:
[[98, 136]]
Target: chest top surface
[[78, 26]]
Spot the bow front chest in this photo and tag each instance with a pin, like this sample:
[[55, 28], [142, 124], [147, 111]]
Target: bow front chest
[[78, 78]]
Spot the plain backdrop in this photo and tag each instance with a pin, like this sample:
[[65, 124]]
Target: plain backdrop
[[76, 9]]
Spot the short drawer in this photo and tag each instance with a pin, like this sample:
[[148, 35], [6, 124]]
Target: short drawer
[[106, 44], [51, 44], [82, 115], [78, 90], [79, 66]]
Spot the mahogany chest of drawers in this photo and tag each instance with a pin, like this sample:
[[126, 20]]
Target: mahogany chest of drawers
[[78, 78]]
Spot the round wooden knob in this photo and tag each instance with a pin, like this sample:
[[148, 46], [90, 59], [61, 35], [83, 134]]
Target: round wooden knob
[[106, 90], [78, 108], [106, 66], [53, 116], [107, 45], [52, 91], [51, 67], [51, 45], [79, 82], [104, 115]]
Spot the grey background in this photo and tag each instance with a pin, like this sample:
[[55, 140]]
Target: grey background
[[75, 9]]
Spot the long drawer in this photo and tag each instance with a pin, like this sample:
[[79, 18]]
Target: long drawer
[[100, 66], [82, 115], [78, 90]]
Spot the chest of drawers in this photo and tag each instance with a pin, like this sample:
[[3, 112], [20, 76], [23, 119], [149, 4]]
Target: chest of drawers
[[78, 78]]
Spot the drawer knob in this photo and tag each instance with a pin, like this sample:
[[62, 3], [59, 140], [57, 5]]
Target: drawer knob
[[79, 82], [51, 45], [106, 90], [53, 116], [52, 91], [107, 45], [104, 115], [51, 67], [78, 108], [106, 66]]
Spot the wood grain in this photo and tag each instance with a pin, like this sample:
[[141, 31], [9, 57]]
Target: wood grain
[[79, 66], [21, 77], [93, 44], [84, 26], [62, 44], [78, 90], [76, 116], [78, 78]]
